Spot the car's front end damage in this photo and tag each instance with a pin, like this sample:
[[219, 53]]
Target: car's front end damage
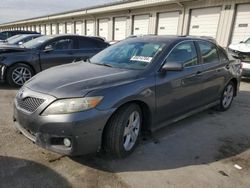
[[242, 52]]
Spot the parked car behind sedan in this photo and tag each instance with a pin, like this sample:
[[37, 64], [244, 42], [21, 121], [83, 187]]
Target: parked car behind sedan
[[19, 39], [242, 51], [19, 64], [7, 34], [142, 83]]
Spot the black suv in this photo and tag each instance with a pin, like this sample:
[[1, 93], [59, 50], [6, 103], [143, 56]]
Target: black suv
[[19, 64]]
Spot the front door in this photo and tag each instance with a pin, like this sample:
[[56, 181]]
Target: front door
[[178, 92], [57, 52]]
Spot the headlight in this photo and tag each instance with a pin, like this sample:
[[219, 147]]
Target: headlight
[[66, 106]]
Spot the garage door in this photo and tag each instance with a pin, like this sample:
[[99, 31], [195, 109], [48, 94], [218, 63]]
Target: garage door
[[103, 28], [43, 30], [120, 28], [38, 28], [54, 29], [204, 22], [90, 28], [48, 29], [242, 24], [78, 28], [168, 23], [61, 29], [69, 28], [140, 25]]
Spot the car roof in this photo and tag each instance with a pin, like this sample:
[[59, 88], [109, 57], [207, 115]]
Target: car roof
[[169, 38]]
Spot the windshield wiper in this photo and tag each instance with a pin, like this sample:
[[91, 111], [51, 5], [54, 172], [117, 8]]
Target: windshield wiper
[[103, 64]]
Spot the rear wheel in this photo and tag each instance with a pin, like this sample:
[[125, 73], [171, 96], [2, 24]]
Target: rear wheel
[[123, 130], [227, 97], [18, 74]]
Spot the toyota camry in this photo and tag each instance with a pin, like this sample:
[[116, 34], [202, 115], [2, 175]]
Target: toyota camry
[[137, 85]]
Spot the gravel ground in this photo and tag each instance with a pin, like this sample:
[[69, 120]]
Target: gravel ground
[[200, 151]]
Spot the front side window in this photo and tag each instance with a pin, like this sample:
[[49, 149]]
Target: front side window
[[62, 44], [208, 52], [129, 55], [184, 53], [37, 42]]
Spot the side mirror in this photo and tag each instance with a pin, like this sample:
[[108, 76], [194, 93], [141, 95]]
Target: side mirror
[[48, 48], [173, 66]]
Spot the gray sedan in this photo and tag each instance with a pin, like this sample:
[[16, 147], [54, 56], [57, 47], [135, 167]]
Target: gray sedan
[[137, 85]]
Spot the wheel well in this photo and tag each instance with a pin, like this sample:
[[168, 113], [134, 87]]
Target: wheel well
[[146, 116], [20, 63], [234, 81]]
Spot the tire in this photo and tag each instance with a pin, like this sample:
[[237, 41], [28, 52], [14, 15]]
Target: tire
[[227, 97], [18, 74], [117, 135]]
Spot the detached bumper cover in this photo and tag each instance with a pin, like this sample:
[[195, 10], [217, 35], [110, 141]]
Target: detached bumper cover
[[84, 129]]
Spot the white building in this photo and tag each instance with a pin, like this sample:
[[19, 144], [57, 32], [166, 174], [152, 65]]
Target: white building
[[225, 20]]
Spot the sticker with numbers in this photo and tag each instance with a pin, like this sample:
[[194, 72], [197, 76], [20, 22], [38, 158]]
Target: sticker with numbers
[[141, 58]]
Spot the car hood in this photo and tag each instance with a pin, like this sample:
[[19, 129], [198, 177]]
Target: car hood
[[12, 48], [78, 79], [242, 47]]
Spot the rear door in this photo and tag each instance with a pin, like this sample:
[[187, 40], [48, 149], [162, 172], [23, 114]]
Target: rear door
[[214, 71], [62, 51], [178, 92]]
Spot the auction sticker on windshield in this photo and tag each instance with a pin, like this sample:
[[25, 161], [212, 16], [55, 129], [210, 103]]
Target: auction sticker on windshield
[[141, 58]]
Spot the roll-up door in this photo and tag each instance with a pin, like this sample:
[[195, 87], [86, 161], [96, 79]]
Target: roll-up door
[[204, 22], [141, 25], [168, 23]]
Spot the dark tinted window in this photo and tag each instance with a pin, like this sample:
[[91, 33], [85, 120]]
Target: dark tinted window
[[86, 43], [184, 53], [209, 52], [62, 44]]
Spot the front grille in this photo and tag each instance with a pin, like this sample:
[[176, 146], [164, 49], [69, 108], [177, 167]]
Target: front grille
[[29, 104]]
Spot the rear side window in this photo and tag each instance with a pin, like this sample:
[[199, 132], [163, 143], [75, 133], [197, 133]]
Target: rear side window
[[86, 43], [223, 56], [184, 53], [208, 52]]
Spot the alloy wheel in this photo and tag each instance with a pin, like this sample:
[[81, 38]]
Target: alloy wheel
[[20, 75], [228, 96], [131, 130]]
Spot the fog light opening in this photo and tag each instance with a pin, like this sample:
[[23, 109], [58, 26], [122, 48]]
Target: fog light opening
[[67, 142]]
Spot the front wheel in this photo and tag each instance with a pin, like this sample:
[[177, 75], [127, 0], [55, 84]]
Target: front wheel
[[18, 74], [227, 97], [122, 131]]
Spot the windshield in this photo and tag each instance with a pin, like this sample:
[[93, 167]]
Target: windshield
[[129, 54], [37, 42], [15, 39], [248, 41]]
